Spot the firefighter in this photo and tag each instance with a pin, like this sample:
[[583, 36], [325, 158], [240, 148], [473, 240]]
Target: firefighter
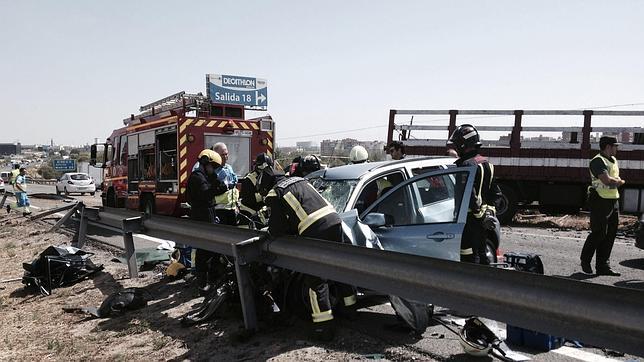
[[485, 193], [251, 200], [603, 198], [202, 188], [305, 166], [298, 209], [358, 154], [226, 207]]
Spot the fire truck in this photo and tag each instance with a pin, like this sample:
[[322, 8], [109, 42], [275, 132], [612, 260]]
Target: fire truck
[[147, 162], [535, 165]]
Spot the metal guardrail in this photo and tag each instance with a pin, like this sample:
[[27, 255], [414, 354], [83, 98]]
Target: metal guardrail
[[601, 315]]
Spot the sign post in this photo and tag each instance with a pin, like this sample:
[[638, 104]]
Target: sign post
[[68, 165], [252, 93]]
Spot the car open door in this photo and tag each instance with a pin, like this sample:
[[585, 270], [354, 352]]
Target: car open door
[[424, 215]]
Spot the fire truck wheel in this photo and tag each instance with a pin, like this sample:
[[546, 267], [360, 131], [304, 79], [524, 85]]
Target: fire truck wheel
[[111, 198], [507, 205]]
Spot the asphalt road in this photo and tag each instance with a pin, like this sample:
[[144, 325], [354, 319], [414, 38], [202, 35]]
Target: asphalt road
[[559, 251]]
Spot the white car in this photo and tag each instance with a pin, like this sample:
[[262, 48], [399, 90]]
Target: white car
[[75, 182]]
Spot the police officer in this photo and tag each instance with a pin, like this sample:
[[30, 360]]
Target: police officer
[[298, 209], [201, 190], [603, 198], [358, 154], [251, 200], [485, 193]]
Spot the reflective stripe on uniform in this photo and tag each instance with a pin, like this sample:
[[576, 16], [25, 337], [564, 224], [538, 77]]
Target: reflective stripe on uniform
[[467, 251], [306, 220], [350, 300], [317, 315], [271, 193]]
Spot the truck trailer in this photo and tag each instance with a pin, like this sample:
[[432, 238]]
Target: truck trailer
[[532, 169]]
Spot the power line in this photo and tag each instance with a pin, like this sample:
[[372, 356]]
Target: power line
[[334, 132]]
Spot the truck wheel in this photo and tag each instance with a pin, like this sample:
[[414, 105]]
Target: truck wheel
[[507, 205]]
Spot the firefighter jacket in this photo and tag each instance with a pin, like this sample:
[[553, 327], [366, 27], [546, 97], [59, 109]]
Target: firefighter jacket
[[251, 200], [200, 194], [606, 191], [485, 191], [298, 209]]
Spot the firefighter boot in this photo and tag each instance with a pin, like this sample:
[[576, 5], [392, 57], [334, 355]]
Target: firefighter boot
[[323, 331]]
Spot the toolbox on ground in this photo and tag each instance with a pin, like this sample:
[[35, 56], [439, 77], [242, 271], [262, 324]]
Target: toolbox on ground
[[520, 336]]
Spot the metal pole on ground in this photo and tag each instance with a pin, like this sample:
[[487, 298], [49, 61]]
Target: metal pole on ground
[[131, 225]]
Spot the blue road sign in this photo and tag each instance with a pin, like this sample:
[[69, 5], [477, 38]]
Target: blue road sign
[[68, 165], [252, 93]]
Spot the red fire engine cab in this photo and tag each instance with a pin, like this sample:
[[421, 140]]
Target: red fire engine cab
[[148, 161]]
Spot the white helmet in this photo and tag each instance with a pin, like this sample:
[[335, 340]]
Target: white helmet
[[475, 338], [358, 154]]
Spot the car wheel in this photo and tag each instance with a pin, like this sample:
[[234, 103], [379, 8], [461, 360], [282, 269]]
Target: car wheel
[[58, 191], [92, 193], [506, 207], [82, 194]]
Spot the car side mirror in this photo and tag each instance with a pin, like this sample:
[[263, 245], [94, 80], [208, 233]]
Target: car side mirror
[[375, 220]]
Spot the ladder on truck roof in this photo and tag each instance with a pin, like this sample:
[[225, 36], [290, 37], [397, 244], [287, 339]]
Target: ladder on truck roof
[[180, 100]]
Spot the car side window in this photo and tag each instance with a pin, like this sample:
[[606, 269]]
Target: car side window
[[376, 188], [432, 199]]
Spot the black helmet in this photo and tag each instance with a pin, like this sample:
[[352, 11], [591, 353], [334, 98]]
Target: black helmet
[[464, 136], [309, 164], [262, 161], [268, 177]]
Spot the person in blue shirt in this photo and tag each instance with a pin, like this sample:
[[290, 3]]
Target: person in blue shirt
[[21, 192], [226, 204]]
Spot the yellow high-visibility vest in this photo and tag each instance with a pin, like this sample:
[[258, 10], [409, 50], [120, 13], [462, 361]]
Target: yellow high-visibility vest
[[606, 191]]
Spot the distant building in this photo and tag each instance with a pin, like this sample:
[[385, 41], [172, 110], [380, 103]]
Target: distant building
[[307, 147], [341, 148], [7, 149]]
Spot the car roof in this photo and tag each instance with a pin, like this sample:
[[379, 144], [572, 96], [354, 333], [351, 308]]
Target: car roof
[[357, 171]]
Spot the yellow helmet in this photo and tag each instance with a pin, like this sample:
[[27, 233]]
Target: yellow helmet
[[213, 157]]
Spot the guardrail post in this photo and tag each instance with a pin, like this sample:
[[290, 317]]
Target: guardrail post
[[245, 252], [131, 225], [81, 233], [63, 220]]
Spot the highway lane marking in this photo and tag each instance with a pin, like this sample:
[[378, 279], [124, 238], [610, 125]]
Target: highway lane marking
[[581, 355]]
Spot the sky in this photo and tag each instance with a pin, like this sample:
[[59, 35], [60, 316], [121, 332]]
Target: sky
[[72, 70]]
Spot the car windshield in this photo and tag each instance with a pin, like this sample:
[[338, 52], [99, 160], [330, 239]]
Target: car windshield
[[79, 177], [335, 191]]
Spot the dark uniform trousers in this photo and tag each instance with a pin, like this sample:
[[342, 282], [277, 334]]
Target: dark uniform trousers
[[298, 209], [604, 217]]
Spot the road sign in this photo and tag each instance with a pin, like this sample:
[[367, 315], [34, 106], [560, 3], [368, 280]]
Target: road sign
[[68, 165], [252, 93]]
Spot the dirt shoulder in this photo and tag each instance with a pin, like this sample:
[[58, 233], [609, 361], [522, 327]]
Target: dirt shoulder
[[34, 327]]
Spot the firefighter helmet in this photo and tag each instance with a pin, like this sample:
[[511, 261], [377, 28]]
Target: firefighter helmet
[[358, 154], [309, 164], [267, 179], [209, 156], [262, 161], [476, 338], [464, 136]]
